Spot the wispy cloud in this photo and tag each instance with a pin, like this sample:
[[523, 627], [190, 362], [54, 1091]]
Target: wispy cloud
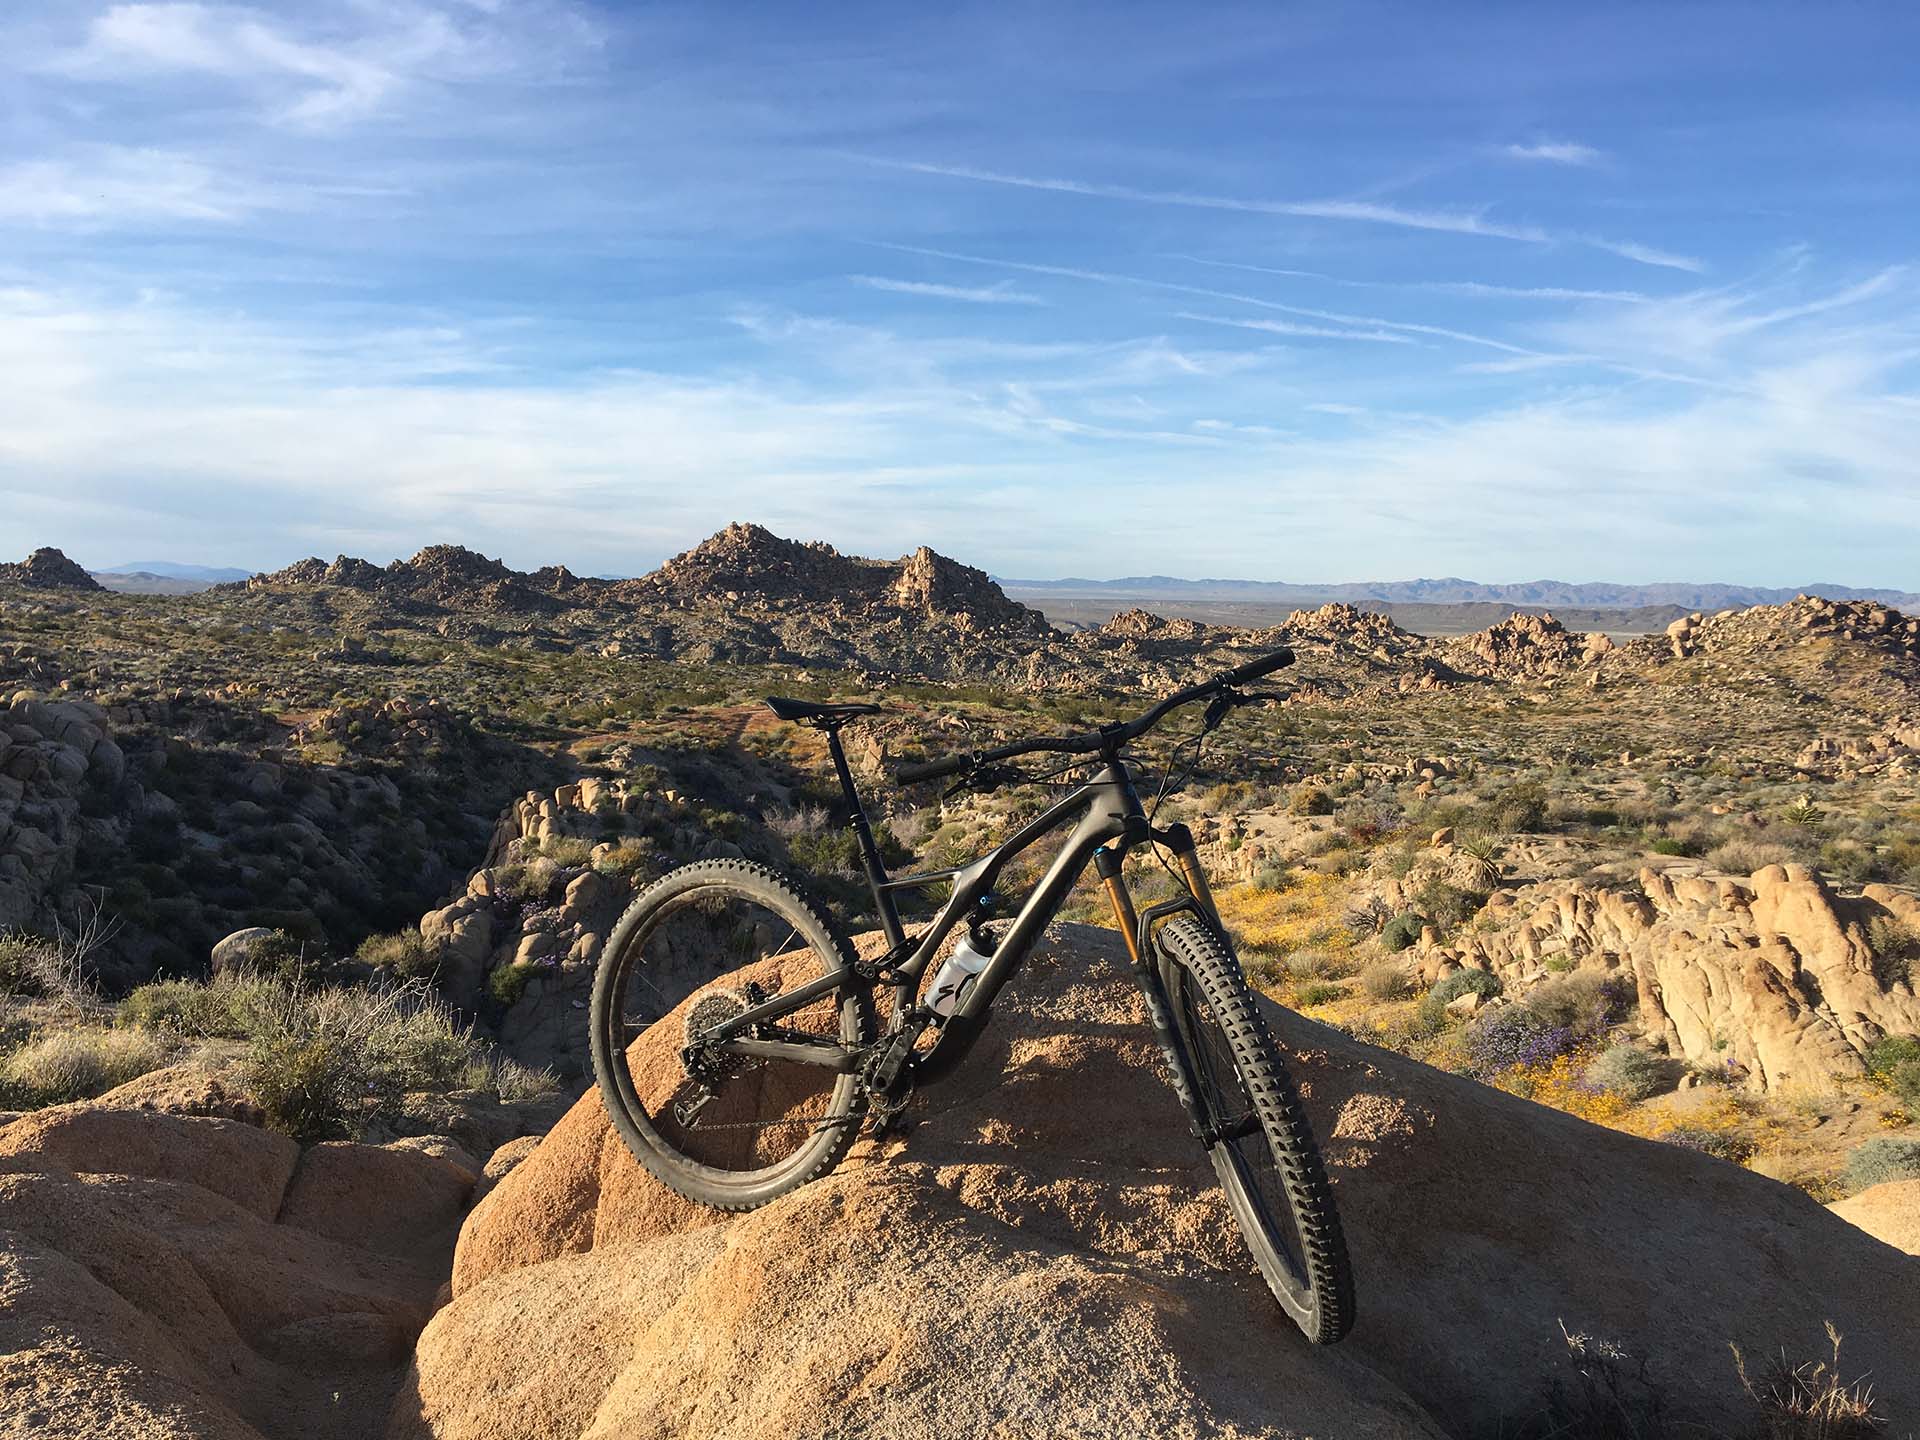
[[1107, 277], [980, 295], [1556, 152], [1288, 327], [1455, 222], [336, 64], [1451, 287], [100, 184]]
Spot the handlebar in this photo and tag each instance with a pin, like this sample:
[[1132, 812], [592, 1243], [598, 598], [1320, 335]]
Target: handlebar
[[1108, 737]]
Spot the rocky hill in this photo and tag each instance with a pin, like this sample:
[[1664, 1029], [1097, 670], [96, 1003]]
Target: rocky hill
[[48, 569]]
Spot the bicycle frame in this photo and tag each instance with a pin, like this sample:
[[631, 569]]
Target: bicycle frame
[[1111, 821]]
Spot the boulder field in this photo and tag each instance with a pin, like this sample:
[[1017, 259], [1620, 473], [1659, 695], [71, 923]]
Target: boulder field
[[1045, 1249]]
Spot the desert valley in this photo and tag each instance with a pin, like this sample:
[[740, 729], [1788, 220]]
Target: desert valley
[[1596, 953]]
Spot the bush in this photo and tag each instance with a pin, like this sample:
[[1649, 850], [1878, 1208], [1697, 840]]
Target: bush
[[1401, 931], [1889, 1052], [1881, 1160], [76, 1064], [1310, 800], [1318, 993], [324, 1064], [507, 983], [1510, 1035], [1386, 980], [404, 954], [1583, 1002], [1630, 1072], [1717, 1143], [1744, 857], [1519, 808], [1904, 1081], [1895, 948], [1451, 987], [231, 1005], [1448, 906]]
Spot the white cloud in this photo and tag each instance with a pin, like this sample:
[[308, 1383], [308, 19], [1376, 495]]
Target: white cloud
[[1288, 327], [1556, 152], [977, 295]]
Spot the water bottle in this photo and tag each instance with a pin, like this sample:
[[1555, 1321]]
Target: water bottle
[[955, 978]]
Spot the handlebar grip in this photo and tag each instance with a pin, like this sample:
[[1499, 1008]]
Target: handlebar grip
[[932, 769], [1254, 669]]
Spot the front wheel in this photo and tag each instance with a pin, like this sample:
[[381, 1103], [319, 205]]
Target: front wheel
[[1263, 1150]]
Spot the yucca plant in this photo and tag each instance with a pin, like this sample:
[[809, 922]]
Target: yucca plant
[[1802, 812], [1482, 852]]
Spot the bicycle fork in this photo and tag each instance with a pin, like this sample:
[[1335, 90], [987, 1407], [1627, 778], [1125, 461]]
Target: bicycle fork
[[1136, 931]]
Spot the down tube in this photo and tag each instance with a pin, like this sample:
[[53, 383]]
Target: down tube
[[1105, 820]]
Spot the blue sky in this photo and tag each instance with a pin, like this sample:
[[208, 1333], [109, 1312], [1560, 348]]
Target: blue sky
[[1283, 292]]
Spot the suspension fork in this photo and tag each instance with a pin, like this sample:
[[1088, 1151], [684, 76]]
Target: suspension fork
[[1147, 975]]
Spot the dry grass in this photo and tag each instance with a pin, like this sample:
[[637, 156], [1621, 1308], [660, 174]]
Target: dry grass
[[64, 1065], [1812, 1400]]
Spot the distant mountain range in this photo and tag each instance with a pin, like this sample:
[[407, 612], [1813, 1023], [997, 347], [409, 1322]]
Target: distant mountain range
[[171, 570], [1689, 595]]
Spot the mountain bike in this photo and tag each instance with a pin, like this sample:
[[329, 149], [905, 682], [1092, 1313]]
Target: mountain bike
[[776, 1056]]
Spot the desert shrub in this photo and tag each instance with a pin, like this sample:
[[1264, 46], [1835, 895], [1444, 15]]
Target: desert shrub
[[1721, 1144], [1451, 987], [1889, 1052], [1310, 964], [1448, 906], [1878, 1161], [507, 983], [1517, 809], [1506, 1036], [1271, 876], [1744, 857], [1904, 1081], [1811, 1400], [75, 1064], [1401, 931], [1630, 1072], [566, 851], [231, 1005], [55, 969], [289, 959], [506, 1079], [1672, 845], [404, 953], [1582, 1002], [1385, 980], [325, 1063], [1318, 992], [1483, 853], [1895, 948], [1310, 800]]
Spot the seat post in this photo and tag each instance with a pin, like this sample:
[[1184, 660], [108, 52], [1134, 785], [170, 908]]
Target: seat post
[[863, 832]]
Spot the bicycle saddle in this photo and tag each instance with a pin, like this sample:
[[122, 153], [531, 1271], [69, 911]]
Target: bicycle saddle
[[828, 713]]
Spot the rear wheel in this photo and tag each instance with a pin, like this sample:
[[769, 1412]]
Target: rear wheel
[[1265, 1154], [700, 945]]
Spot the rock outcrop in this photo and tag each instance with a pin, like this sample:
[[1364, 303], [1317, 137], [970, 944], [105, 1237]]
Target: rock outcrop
[[1047, 1252], [170, 1274], [48, 569], [1889, 1211], [52, 753], [1773, 977]]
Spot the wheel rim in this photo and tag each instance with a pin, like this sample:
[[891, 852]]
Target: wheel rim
[[698, 955], [1245, 1146]]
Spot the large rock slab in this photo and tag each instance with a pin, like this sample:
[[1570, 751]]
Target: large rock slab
[[1050, 1220]]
